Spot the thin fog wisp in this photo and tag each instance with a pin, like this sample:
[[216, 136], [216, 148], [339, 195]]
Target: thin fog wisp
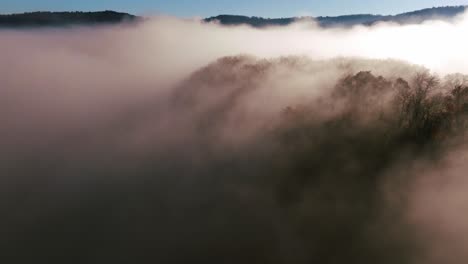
[[176, 141]]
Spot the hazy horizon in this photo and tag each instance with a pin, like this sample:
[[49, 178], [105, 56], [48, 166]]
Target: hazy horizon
[[207, 8]]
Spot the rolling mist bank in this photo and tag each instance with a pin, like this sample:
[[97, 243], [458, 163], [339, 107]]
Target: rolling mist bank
[[175, 141]]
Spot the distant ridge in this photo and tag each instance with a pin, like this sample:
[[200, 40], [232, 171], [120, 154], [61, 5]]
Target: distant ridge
[[447, 13], [58, 19], [41, 19]]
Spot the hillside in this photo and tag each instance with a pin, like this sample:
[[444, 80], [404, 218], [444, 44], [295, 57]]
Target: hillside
[[447, 13], [39, 19]]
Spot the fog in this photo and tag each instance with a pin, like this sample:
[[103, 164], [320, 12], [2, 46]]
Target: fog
[[176, 141]]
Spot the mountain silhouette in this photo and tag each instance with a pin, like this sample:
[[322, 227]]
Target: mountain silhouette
[[54, 19], [40, 19], [447, 13]]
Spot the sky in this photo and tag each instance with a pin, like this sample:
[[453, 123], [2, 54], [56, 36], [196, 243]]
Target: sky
[[205, 8]]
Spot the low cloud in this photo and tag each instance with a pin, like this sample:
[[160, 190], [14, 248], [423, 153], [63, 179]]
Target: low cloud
[[176, 140]]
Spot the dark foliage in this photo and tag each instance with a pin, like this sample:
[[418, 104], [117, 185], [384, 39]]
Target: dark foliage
[[305, 190], [40, 19]]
